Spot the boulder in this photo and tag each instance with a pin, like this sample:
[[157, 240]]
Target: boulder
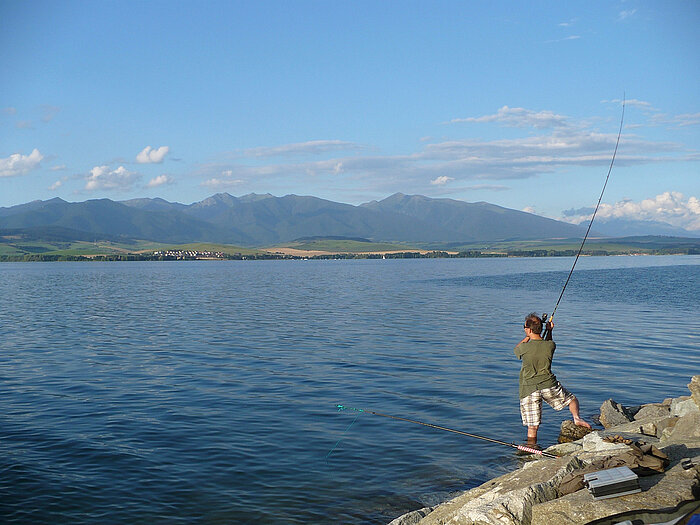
[[694, 387], [665, 424], [613, 414], [652, 411], [649, 429], [564, 449], [570, 431], [506, 500], [685, 430], [631, 430], [594, 442], [412, 518], [683, 405]]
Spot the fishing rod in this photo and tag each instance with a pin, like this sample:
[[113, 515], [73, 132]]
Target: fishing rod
[[617, 143], [524, 448]]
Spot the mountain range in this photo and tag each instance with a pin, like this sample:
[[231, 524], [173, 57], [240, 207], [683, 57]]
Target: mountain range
[[266, 220]]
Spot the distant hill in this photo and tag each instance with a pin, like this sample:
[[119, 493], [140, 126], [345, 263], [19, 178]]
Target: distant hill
[[627, 227], [156, 204], [109, 219], [480, 221], [265, 220]]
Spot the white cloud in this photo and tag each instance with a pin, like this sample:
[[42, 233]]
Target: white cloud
[[520, 118], [626, 14], [24, 124], [687, 119], [60, 167], [530, 209], [682, 120], [655, 118], [565, 39], [102, 178], [223, 180], [219, 184], [160, 180], [18, 164], [487, 187], [152, 156], [49, 112], [312, 147], [56, 185], [441, 181], [641, 104], [670, 207]]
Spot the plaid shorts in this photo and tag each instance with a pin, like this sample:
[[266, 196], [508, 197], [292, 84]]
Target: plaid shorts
[[531, 406]]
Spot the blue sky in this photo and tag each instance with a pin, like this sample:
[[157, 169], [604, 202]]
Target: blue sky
[[513, 103]]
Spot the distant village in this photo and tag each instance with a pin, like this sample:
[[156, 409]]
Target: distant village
[[189, 254]]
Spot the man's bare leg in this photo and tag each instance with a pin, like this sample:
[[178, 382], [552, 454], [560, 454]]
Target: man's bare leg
[[532, 435], [578, 420]]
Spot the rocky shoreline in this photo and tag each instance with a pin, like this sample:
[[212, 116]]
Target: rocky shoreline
[[536, 493]]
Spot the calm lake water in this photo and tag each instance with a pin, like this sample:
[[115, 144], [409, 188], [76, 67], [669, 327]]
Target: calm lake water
[[205, 392]]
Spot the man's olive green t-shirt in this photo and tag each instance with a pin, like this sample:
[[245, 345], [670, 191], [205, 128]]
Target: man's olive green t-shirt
[[536, 372]]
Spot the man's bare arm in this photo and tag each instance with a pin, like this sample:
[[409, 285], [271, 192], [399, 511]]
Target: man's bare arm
[[550, 329]]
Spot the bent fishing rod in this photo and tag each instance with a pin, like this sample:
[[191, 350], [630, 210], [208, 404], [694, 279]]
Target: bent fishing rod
[[617, 143], [523, 448]]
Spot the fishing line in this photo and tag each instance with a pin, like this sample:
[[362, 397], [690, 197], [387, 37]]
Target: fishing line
[[524, 448], [617, 143], [342, 435]]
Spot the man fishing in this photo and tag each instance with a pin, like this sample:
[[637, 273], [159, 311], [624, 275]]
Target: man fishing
[[537, 382]]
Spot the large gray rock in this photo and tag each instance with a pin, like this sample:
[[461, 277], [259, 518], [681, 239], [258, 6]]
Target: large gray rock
[[683, 405], [649, 429], [652, 411], [694, 387], [613, 414], [412, 518], [685, 430], [506, 500], [665, 424], [565, 449], [658, 492], [595, 442]]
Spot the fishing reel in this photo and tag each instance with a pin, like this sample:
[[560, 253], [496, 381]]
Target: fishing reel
[[545, 329]]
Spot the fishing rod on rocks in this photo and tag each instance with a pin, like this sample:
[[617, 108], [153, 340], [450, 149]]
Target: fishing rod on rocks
[[617, 143], [523, 448]]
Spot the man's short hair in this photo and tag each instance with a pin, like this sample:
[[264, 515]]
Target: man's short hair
[[534, 323]]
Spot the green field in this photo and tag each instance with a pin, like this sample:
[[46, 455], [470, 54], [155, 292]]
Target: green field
[[625, 245], [75, 248], [18, 247]]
